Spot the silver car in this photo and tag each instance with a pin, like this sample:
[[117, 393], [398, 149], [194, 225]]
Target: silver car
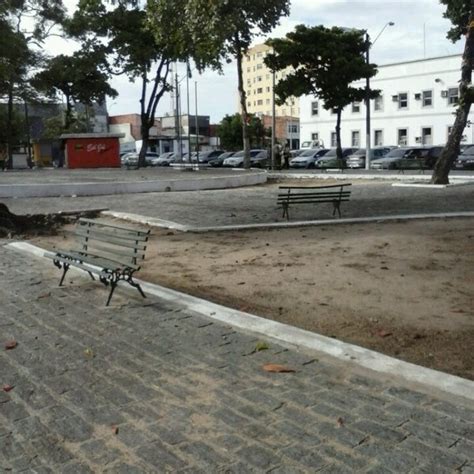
[[308, 158], [258, 158], [357, 159]]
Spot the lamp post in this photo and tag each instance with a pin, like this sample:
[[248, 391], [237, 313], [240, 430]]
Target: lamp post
[[368, 45]]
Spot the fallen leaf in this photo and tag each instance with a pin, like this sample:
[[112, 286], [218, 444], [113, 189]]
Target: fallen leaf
[[340, 421], [241, 283], [383, 333], [89, 353], [7, 388], [44, 295], [277, 368], [10, 345], [261, 346], [115, 429]]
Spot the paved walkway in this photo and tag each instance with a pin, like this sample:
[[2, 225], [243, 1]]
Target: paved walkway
[[146, 386]]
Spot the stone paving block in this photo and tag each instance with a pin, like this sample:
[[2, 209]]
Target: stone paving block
[[306, 456], [158, 456], [259, 457], [202, 454], [379, 431]]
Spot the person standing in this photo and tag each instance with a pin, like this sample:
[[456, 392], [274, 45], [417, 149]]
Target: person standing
[[286, 157]]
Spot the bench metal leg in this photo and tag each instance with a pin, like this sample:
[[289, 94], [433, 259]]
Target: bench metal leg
[[113, 285], [92, 276], [285, 211], [65, 269], [337, 207], [138, 287]]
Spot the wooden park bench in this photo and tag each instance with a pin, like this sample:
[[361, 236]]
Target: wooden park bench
[[334, 194], [108, 250], [412, 165]]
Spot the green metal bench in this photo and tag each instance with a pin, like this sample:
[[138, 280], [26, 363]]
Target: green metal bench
[[108, 250], [334, 194]]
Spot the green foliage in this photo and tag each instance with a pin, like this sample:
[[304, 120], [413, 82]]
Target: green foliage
[[230, 132], [55, 126], [18, 126], [457, 11], [326, 62]]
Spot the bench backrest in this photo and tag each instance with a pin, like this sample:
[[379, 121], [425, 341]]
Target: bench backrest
[[337, 192], [121, 244]]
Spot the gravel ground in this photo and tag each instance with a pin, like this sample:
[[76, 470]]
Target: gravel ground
[[258, 204]]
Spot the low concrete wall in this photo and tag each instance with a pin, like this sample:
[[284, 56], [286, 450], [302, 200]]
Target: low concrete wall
[[98, 189]]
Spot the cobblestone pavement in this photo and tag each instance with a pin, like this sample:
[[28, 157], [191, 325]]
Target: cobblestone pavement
[[257, 204], [145, 386]]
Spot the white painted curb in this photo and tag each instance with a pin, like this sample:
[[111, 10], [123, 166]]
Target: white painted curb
[[107, 188], [300, 338], [154, 222]]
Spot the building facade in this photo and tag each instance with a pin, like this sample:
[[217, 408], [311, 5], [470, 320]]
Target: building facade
[[416, 106], [258, 84]]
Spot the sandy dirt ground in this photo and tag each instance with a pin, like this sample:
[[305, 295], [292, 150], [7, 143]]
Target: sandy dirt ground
[[405, 289]]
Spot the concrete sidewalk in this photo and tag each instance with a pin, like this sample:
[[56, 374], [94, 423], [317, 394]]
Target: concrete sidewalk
[[148, 386]]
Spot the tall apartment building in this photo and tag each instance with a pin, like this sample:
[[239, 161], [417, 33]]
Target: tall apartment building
[[258, 85]]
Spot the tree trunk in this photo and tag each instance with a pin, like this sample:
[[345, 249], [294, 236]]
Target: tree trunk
[[338, 138], [466, 97], [145, 139], [243, 106], [9, 163]]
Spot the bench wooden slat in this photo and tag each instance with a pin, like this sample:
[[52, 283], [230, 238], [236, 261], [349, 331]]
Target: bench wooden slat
[[125, 236], [104, 237], [120, 251], [311, 201], [100, 259], [333, 195], [135, 230], [316, 187]]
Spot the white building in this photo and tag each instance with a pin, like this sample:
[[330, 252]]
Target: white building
[[416, 106]]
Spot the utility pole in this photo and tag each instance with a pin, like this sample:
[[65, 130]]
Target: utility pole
[[367, 104], [188, 74], [196, 120], [178, 131], [273, 122]]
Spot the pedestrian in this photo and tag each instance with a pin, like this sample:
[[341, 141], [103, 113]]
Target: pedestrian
[[277, 156], [286, 157]]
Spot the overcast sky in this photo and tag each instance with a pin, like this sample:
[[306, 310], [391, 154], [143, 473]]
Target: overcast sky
[[419, 30]]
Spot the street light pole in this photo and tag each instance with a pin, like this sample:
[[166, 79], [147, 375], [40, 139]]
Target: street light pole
[[367, 105], [273, 121], [367, 94]]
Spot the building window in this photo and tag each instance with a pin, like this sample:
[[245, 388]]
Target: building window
[[314, 108], [426, 136], [259, 55], [259, 90], [333, 139], [268, 101], [292, 128], [378, 104], [315, 136], [378, 137], [427, 98], [260, 102], [355, 138], [402, 136], [453, 95], [355, 107], [268, 89], [259, 78], [259, 66], [249, 104], [403, 100]]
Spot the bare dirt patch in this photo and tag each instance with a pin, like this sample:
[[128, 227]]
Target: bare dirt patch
[[405, 289]]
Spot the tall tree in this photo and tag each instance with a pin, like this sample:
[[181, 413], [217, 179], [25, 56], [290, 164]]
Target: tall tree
[[232, 27], [81, 78], [142, 40], [24, 25], [326, 62], [461, 14]]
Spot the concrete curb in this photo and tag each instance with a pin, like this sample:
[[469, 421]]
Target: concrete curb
[[107, 188], [371, 177], [153, 222], [302, 339]]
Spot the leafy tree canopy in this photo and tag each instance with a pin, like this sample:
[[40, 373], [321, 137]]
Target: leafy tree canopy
[[230, 132], [457, 11], [325, 61]]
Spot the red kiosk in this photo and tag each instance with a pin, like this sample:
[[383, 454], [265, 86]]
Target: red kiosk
[[92, 150]]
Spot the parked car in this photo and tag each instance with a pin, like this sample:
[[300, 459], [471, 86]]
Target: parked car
[[465, 160], [219, 160], [206, 156], [130, 160], [391, 159], [258, 158], [357, 159], [412, 158], [308, 158], [330, 160], [295, 153], [165, 159]]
